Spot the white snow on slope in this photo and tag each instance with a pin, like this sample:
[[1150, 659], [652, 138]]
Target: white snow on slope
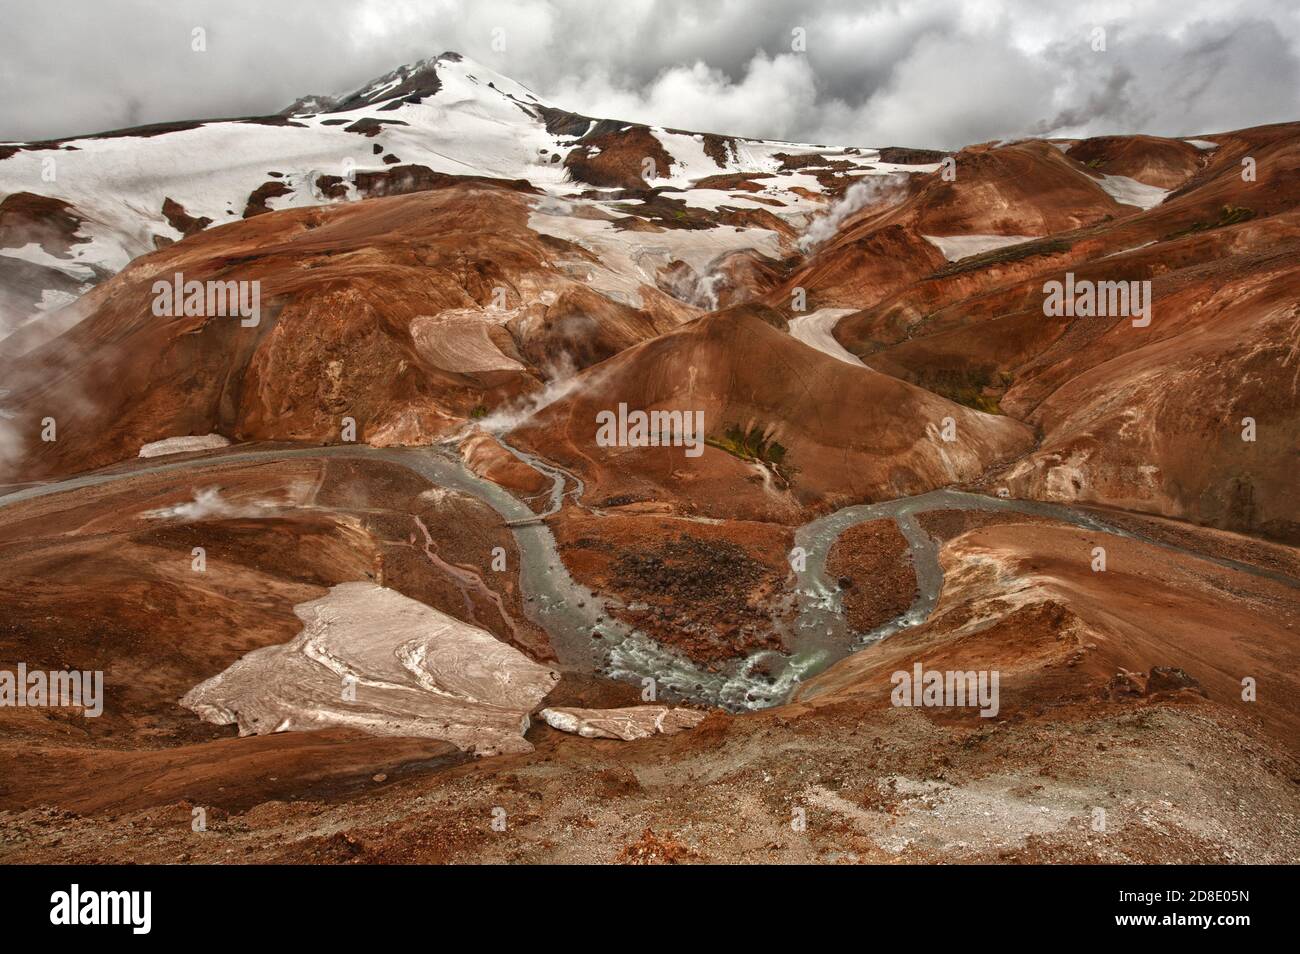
[[1131, 192], [816, 330], [37, 255], [183, 445], [477, 122], [762, 157], [471, 126], [627, 265], [119, 183], [955, 247]]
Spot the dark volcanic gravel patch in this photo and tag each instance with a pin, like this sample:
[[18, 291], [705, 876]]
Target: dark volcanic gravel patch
[[874, 568], [702, 597]]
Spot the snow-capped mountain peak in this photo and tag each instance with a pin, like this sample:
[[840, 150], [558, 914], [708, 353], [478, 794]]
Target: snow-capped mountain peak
[[412, 84], [125, 193]]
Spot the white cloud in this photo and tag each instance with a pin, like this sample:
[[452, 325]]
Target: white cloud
[[778, 92], [923, 73]]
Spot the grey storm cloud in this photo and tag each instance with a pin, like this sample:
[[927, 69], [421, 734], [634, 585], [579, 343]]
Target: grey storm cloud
[[870, 72]]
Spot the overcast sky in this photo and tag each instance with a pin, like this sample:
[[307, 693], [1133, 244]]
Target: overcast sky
[[874, 72]]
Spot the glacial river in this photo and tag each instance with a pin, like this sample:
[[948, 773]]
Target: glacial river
[[570, 613]]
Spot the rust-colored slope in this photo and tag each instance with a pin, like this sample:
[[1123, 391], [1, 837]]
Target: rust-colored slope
[[848, 434], [1024, 189], [1155, 421], [1027, 188], [1143, 417], [1000, 282], [404, 314], [103, 578], [1023, 599], [1167, 163]]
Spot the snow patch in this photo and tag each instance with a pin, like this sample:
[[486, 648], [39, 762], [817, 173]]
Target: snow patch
[[1128, 191], [956, 247], [816, 330], [183, 445]]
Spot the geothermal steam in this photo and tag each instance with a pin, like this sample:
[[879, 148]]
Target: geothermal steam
[[872, 190]]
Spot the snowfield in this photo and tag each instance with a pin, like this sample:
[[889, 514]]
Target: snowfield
[[1131, 192], [447, 114], [816, 330], [451, 116], [956, 247]]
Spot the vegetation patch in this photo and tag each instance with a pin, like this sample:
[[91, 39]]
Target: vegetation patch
[[752, 445], [968, 388], [1228, 215], [1004, 255]]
